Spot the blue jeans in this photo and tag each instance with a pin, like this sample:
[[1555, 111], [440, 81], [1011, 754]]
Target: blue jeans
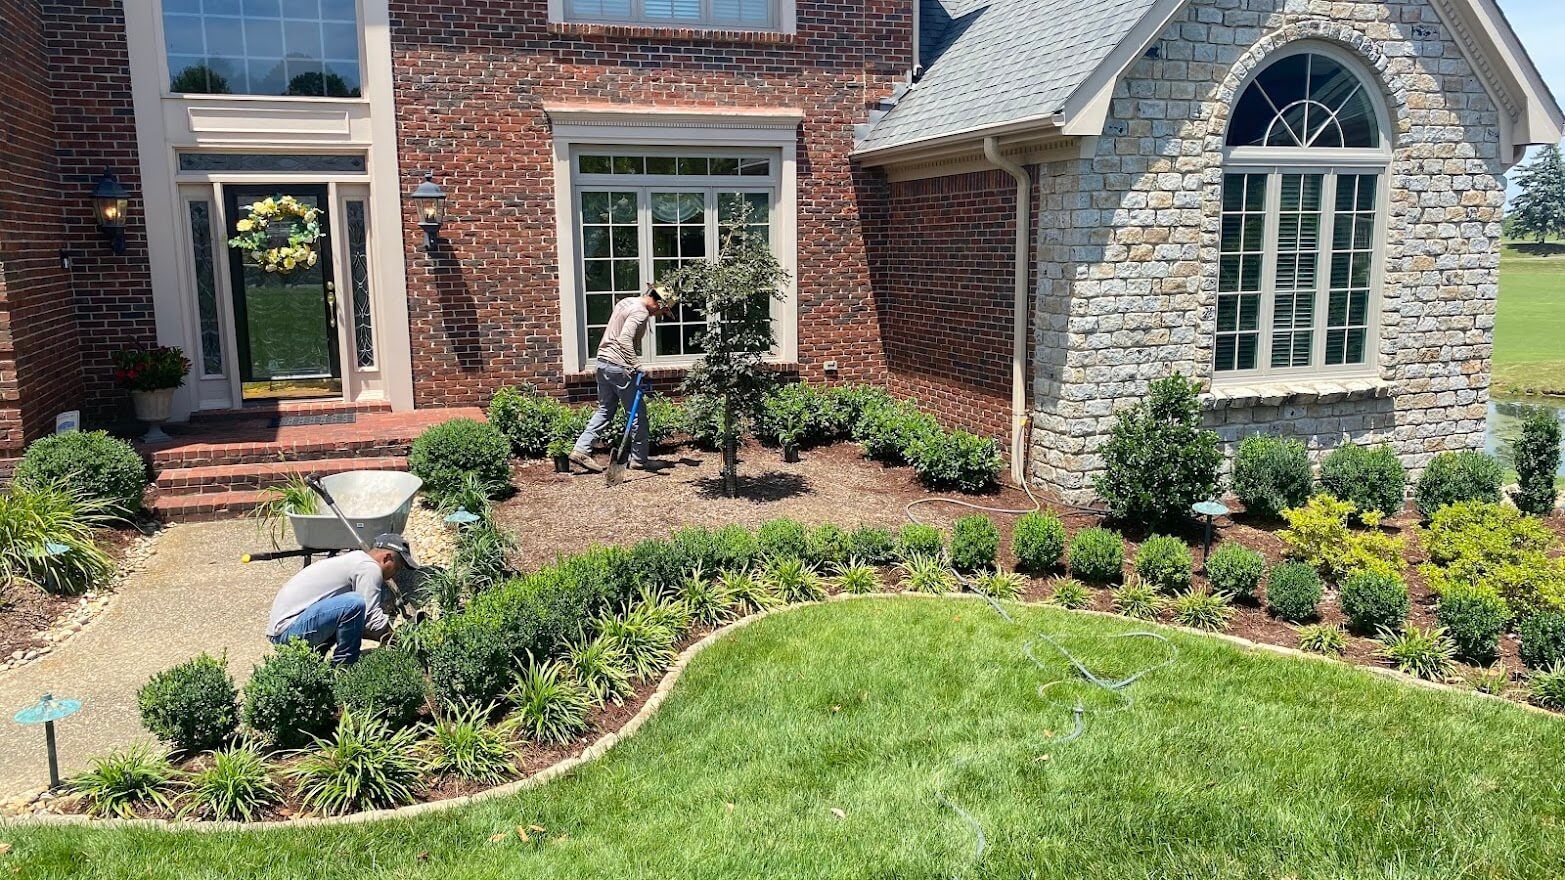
[[338, 618], [616, 388]]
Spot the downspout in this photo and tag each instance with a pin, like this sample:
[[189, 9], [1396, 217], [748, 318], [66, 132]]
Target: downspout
[[1020, 308]]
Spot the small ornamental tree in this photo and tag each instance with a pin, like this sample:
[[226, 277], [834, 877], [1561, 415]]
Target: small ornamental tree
[[1540, 207], [1158, 459], [1537, 455], [733, 292]]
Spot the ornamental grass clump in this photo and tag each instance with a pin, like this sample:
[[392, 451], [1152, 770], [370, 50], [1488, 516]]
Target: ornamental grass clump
[[1372, 479], [1474, 618], [1536, 452], [1546, 687], [1038, 541], [1070, 593], [600, 667], [707, 599], [126, 781], [386, 682], [792, 580], [1458, 476], [551, 705], [999, 584], [464, 745], [1202, 609], [917, 539], [1138, 600], [291, 696], [1165, 563], [1271, 474], [1096, 555], [975, 541], [664, 610], [364, 765], [91, 465], [1235, 569], [1422, 653], [1329, 639], [193, 706], [928, 574], [236, 785], [1158, 459], [856, 578], [647, 646], [35, 521], [1373, 601], [749, 592], [1293, 592]]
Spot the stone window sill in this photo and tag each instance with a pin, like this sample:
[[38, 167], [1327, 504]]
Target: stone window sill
[[658, 32], [1295, 392]]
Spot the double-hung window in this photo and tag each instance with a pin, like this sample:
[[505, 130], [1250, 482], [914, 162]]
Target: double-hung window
[[739, 14], [1301, 224], [639, 214]]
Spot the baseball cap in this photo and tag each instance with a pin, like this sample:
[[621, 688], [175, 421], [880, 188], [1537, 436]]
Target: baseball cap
[[398, 545]]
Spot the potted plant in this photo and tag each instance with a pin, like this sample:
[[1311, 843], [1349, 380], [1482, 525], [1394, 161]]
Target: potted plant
[[151, 375], [560, 450]]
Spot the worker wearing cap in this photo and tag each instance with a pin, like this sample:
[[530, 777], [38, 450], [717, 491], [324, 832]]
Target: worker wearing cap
[[619, 371], [337, 602]]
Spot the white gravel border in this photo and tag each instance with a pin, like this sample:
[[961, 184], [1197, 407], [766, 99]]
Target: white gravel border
[[655, 701]]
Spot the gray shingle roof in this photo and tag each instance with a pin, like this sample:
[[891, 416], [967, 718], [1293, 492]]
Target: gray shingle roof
[[987, 63]]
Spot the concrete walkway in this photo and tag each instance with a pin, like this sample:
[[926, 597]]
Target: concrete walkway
[[193, 594]]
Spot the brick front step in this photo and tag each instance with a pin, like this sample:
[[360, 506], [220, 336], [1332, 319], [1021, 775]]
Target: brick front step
[[373, 435], [206, 506], [189, 481]]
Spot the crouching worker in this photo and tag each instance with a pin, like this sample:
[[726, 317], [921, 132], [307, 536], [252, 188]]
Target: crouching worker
[[337, 602]]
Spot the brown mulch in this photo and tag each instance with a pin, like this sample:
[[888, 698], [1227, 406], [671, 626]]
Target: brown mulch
[[27, 612]]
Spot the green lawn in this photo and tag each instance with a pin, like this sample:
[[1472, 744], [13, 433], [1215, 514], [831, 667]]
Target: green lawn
[[1229, 764], [1528, 354]]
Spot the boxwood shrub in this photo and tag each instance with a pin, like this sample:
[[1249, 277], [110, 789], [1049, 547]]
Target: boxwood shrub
[[1235, 569], [525, 417], [1473, 618], [1293, 591], [872, 545], [1038, 541], [783, 537], [917, 539], [1374, 600], [1097, 555], [385, 682], [974, 543], [90, 464], [1458, 476], [1371, 477], [955, 460], [447, 453], [193, 706], [1165, 563], [1271, 474], [827, 544], [1542, 639], [290, 696]]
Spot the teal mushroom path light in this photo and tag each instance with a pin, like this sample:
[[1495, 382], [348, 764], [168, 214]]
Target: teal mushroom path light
[[47, 711], [1210, 510], [462, 517]]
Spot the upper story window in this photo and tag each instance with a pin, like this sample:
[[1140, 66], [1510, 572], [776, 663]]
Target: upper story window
[[292, 48], [1302, 223], [739, 14]]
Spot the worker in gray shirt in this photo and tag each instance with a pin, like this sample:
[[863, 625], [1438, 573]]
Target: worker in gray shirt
[[619, 371], [338, 601]]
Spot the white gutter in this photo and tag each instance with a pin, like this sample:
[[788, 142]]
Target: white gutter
[[1020, 308]]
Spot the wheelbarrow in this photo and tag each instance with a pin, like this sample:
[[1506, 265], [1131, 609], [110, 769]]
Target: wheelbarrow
[[371, 503]]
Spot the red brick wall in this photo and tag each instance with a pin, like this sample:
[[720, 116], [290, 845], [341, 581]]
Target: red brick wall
[[95, 124], [40, 367], [471, 80], [943, 251]]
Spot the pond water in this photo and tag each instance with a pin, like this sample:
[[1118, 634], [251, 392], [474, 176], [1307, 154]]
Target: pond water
[[1505, 423]]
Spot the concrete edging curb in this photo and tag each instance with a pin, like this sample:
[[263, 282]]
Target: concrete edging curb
[[607, 741]]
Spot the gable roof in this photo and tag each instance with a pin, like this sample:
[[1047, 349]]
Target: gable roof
[[992, 66]]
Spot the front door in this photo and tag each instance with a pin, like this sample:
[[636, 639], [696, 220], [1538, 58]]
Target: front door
[[285, 324]]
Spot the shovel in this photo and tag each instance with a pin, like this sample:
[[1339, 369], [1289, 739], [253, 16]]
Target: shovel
[[620, 454]]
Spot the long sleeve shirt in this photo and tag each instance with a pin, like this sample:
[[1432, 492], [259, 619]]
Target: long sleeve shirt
[[355, 572], [622, 337]]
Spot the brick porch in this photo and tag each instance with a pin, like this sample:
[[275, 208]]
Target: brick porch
[[219, 464]]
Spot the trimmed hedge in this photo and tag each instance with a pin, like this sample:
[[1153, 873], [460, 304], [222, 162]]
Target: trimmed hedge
[[193, 706], [1097, 555], [91, 464], [1038, 540], [445, 455], [1371, 477], [975, 541], [1458, 476], [1271, 474]]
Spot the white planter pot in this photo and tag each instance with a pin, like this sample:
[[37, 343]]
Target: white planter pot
[[154, 408]]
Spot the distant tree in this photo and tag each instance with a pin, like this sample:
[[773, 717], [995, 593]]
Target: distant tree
[[1540, 208], [199, 79]]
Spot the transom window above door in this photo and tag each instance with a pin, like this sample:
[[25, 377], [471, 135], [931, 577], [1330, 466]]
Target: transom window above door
[[639, 216], [1301, 224], [284, 48], [746, 14]]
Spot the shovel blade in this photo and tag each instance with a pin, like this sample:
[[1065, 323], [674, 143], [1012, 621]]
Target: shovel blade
[[615, 473]]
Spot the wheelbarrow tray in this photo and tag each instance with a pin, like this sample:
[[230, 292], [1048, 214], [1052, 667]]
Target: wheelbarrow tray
[[376, 502]]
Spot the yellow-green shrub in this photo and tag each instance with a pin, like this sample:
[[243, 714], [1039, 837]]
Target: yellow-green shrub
[[1318, 535], [1482, 546]]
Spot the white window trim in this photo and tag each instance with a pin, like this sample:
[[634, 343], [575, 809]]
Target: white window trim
[[784, 19], [607, 126], [360, 12], [1329, 161]]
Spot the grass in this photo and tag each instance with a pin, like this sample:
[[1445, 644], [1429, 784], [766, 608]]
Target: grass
[[1528, 357], [1230, 764]]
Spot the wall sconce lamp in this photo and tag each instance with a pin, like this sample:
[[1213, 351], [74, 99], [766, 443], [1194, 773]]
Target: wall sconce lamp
[[110, 204], [430, 201]]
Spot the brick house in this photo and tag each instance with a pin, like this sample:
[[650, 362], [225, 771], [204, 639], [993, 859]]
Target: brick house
[[1018, 211]]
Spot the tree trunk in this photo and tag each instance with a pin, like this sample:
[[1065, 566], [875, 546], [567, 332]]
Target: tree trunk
[[730, 452]]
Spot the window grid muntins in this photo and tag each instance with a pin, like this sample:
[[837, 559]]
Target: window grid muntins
[[263, 47], [1352, 269], [748, 14], [642, 216], [1240, 265]]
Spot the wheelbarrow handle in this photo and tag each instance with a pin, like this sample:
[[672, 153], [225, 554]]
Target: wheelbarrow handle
[[314, 483], [331, 502]]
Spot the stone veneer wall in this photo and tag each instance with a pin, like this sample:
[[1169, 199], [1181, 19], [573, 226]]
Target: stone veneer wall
[[470, 83], [1128, 242]]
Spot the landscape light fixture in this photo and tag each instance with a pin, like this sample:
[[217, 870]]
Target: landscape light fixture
[[110, 205], [430, 200], [47, 711], [1211, 510]]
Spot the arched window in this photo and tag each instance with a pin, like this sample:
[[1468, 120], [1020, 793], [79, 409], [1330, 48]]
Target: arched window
[[1299, 259]]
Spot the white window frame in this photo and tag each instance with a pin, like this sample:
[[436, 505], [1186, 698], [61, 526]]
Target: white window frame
[[770, 132], [164, 89], [782, 18], [1331, 162]]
